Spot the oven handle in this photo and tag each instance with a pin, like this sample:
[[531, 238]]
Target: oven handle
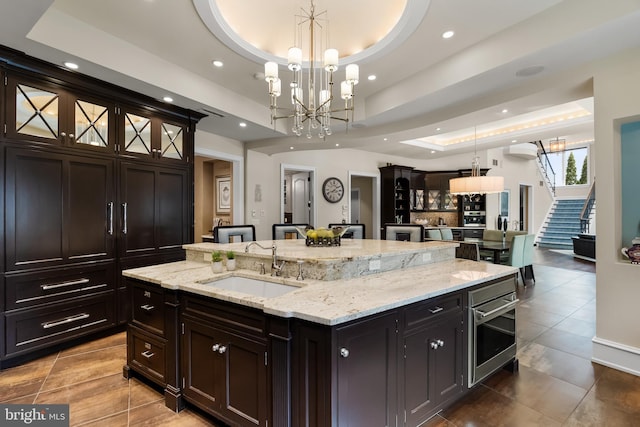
[[510, 305]]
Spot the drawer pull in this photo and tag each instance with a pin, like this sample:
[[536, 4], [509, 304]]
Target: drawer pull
[[147, 307], [148, 354], [63, 284], [435, 310], [69, 319]]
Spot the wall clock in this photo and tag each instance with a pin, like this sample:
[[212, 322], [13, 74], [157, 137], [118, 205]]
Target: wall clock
[[332, 190]]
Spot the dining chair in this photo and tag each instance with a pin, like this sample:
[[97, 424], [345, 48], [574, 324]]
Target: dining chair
[[355, 231], [516, 254], [404, 232], [434, 234], [527, 257], [492, 235], [468, 250], [447, 233], [287, 231], [228, 233]]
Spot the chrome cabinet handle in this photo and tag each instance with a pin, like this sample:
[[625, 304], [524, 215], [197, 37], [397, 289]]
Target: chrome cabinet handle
[[148, 354], [440, 343], [71, 135], [507, 307], [63, 134], [435, 310], [69, 319], [110, 218], [147, 307], [344, 352], [215, 347], [63, 284], [124, 218], [434, 345], [222, 349]]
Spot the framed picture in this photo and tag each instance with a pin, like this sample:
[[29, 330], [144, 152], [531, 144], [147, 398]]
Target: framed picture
[[223, 185]]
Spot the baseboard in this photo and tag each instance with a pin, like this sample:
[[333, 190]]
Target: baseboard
[[617, 356]]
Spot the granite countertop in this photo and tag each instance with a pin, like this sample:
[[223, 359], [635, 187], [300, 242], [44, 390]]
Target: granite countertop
[[329, 302]]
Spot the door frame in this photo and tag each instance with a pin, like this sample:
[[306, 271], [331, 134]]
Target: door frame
[[286, 167], [237, 175], [528, 205], [375, 205]]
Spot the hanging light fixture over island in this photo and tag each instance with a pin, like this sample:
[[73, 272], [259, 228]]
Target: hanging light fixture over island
[[476, 183]]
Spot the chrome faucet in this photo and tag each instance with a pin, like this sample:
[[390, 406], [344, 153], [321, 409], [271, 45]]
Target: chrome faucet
[[276, 269]]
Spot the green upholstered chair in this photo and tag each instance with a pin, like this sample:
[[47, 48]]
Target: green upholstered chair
[[434, 234], [516, 253], [468, 250], [492, 235], [527, 258], [447, 234]]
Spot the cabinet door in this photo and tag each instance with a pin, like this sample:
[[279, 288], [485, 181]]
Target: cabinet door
[[154, 209], [245, 387], [34, 110], [58, 209], [202, 365], [432, 368], [366, 372]]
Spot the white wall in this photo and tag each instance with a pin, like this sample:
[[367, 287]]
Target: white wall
[[617, 95]]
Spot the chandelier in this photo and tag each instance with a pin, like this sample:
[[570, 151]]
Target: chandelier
[[316, 111], [476, 183], [557, 145]]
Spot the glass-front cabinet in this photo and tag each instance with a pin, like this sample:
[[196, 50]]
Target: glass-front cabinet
[[43, 112], [150, 136]]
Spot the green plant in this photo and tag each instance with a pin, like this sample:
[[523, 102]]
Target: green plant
[[216, 256], [231, 255]]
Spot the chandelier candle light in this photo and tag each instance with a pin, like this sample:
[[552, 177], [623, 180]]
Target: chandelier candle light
[[476, 183], [317, 112]]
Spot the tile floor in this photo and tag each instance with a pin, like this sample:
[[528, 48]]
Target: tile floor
[[557, 384]]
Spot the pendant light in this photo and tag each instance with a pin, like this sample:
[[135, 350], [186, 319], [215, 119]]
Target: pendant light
[[476, 183]]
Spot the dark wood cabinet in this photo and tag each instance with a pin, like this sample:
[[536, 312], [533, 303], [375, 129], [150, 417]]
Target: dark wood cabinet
[[59, 209], [366, 372], [225, 368], [395, 194], [70, 172], [438, 196], [154, 209], [432, 362]]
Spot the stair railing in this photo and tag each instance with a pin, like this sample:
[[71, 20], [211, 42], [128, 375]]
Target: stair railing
[[586, 209], [549, 173]]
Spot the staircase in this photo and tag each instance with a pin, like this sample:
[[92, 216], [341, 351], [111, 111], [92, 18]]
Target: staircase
[[562, 223]]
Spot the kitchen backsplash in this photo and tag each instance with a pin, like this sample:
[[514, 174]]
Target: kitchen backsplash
[[450, 218]]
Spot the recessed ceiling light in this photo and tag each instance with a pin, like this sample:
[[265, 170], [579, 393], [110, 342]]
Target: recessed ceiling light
[[168, 99], [438, 129], [514, 140], [242, 124], [337, 145], [447, 34], [372, 77], [433, 151], [505, 111], [217, 63], [385, 139], [71, 65], [290, 148]]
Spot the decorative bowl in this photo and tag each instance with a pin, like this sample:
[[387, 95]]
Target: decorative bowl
[[322, 237]]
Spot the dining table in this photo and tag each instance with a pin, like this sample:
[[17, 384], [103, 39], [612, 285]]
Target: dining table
[[498, 247]]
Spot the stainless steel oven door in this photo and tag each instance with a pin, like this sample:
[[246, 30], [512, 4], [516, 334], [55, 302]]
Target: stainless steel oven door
[[492, 342]]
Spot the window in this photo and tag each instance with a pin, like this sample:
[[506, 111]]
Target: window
[[570, 166]]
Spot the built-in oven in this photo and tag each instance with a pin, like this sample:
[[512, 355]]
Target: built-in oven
[[492, 329], [474, 218]]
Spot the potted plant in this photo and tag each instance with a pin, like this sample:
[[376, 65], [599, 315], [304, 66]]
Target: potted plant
[[216, 261], [231, 260]]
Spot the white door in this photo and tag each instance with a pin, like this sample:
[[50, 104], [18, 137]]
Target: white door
[[300, 200]]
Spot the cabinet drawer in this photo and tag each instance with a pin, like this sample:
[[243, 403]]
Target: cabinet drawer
[[148, 307], [40, 327], [232, 316], [473, 233], [428, 311], [33, 289], [146, 353]]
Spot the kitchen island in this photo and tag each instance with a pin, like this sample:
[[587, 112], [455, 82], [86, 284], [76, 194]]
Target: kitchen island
[[350, 344]]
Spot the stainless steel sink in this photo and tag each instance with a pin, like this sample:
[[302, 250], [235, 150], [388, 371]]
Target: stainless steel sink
[[256, 287]]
